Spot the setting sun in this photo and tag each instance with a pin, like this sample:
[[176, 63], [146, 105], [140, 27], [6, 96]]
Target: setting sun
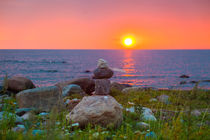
[[128, 41]]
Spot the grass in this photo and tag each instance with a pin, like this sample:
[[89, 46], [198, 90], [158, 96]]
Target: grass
[[174, 120]]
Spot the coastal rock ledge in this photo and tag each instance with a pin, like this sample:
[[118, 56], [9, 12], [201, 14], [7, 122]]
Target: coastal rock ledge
[[97, 110]]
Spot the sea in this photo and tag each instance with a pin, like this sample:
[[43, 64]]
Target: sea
[[150, 68]]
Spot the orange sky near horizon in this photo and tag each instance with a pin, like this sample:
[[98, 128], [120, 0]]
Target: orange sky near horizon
[[94, 24]]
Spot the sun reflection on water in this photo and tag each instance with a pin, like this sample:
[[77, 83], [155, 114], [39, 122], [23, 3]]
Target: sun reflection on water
[[128, 64]]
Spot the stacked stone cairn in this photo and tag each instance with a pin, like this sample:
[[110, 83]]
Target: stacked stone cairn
[[101, 108], [101, 75]]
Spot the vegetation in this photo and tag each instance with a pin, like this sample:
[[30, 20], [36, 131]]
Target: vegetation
[[174, 120]]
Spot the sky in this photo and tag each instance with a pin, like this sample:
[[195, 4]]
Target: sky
[[102, 24]]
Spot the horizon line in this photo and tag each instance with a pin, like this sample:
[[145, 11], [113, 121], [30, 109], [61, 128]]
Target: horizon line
[[105, 49]]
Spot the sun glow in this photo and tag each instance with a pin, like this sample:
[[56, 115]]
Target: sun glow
[[128, 41]]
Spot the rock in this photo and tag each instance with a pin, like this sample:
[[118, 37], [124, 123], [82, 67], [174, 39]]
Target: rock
[[17, 84], [87, 71], [164, 99], [103, 73], [131, 109], [183, 82], [147, 114], [102, 63], [42, 99], [1, 107], [87, 84], [142, 125], [205, 81], [72, 89], [97, 110], [21, 111], [193, 82], [184, 76], [27, 116], [118, 86], [153, 100], [196, 113], [43, 114], [19, 128], [8, 115], [151, 135], [137, 89], [4, 96], [38, 132], [71, 104], [102, 87]]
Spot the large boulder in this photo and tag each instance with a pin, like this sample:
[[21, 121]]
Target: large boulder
[[87, 84], [97, 110], [102, 87], [42, 99], [103, 73], [17, 84]]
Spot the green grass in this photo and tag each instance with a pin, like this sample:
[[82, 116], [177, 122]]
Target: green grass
[[174, 122]]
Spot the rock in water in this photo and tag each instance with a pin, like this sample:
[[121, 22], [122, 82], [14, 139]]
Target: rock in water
[[102, 87], [72, 89], [87, 84], [97, 110], [43, 98], [102, 73], [184, 76], [17, 84]]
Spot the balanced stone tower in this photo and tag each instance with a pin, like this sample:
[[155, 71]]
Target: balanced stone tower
[[101, 75], [100, 109]]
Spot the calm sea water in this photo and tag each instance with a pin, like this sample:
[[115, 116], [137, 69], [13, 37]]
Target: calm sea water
[[156, 68]]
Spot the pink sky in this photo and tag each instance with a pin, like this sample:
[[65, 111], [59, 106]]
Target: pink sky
[[97, 24]]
